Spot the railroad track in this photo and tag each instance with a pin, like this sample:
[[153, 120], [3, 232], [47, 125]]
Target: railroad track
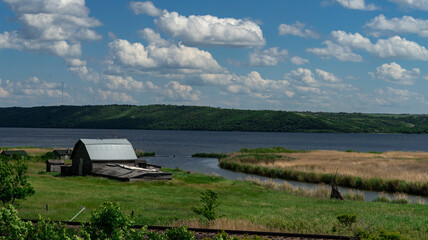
[[201, 233]]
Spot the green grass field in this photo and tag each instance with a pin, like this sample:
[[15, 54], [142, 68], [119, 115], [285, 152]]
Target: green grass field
[[167, 202]]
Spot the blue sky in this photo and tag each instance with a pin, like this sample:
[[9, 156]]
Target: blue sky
[[294, 55]]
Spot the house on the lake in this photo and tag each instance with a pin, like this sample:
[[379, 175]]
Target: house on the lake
[[9, 153], [113, 158]]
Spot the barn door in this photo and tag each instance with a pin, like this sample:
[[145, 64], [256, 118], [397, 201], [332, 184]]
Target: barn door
[[80, 167]]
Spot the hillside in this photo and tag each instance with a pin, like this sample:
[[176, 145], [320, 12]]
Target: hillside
[[170, 117]]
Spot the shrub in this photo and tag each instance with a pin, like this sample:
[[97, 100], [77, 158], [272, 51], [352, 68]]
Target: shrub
[[180, 233], [209, 200], [46, 229], [348, 222], [109, 222], [11, 226], [13, 180]]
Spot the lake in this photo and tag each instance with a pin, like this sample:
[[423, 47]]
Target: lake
[[185, 143]]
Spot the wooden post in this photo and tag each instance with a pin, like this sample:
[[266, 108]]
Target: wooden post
[[47, 207]]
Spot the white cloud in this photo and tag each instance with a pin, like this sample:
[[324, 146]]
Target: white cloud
[[176, 91], [145, 8], [296, 60], [267, 57], [116, 97], [418, 4], [342, 53], [50, 26], [355, 40], [406, 24], [163, 56], [207, 30], [392, 95], [326, 76], [123, 83], [357, 5], [394, 73], [31, 89], [3, 92], [302, 75], [393, 47], [296, 29], [216, 79]]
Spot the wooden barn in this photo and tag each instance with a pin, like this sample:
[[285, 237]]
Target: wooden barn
[[91, 153]]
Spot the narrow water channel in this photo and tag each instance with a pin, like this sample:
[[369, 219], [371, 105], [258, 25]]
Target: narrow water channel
[[210, 166]]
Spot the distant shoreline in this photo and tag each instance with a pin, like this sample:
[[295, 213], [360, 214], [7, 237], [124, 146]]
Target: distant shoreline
[[197, 118]]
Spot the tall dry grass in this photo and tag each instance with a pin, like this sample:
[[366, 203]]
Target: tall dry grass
[[220, 223], [407, 166], [319, 192]]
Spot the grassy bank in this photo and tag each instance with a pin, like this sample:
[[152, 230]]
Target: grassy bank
[[243, 204], [390, 172]]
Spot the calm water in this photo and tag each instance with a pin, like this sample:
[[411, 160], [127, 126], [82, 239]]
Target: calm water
[[175, 147], [185, 143]]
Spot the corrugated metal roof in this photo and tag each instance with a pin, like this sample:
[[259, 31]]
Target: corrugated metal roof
[[109, 149]]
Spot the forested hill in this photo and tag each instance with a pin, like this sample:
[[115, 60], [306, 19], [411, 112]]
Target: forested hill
[[170, 117]]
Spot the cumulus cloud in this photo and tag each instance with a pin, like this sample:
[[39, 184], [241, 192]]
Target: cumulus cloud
[[405, 24], [161, 56], [50, 26], [296, 60], [176, 91], [296, 29], [145, 8], [357, 5], [267, 57], [326, 76], [394, 73], [417, 4], [342, 53], [391, 95], [205, 30], [393, 47], [31, 89], [125, 83], [302, 75], [3, 92]]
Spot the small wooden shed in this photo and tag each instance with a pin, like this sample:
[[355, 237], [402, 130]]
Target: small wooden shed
[[54, 165], [9, 153], [62, 153]]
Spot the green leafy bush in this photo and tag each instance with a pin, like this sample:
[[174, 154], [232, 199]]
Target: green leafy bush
[[210, 202], [180, 233], [348, 223], [11, 226], [13, 180], [109, 222]]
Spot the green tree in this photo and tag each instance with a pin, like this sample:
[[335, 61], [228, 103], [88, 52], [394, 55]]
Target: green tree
[[210, 201], [13, 180]]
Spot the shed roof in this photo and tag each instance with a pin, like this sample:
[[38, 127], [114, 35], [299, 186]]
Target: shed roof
[[108, 149], [63, 152]]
